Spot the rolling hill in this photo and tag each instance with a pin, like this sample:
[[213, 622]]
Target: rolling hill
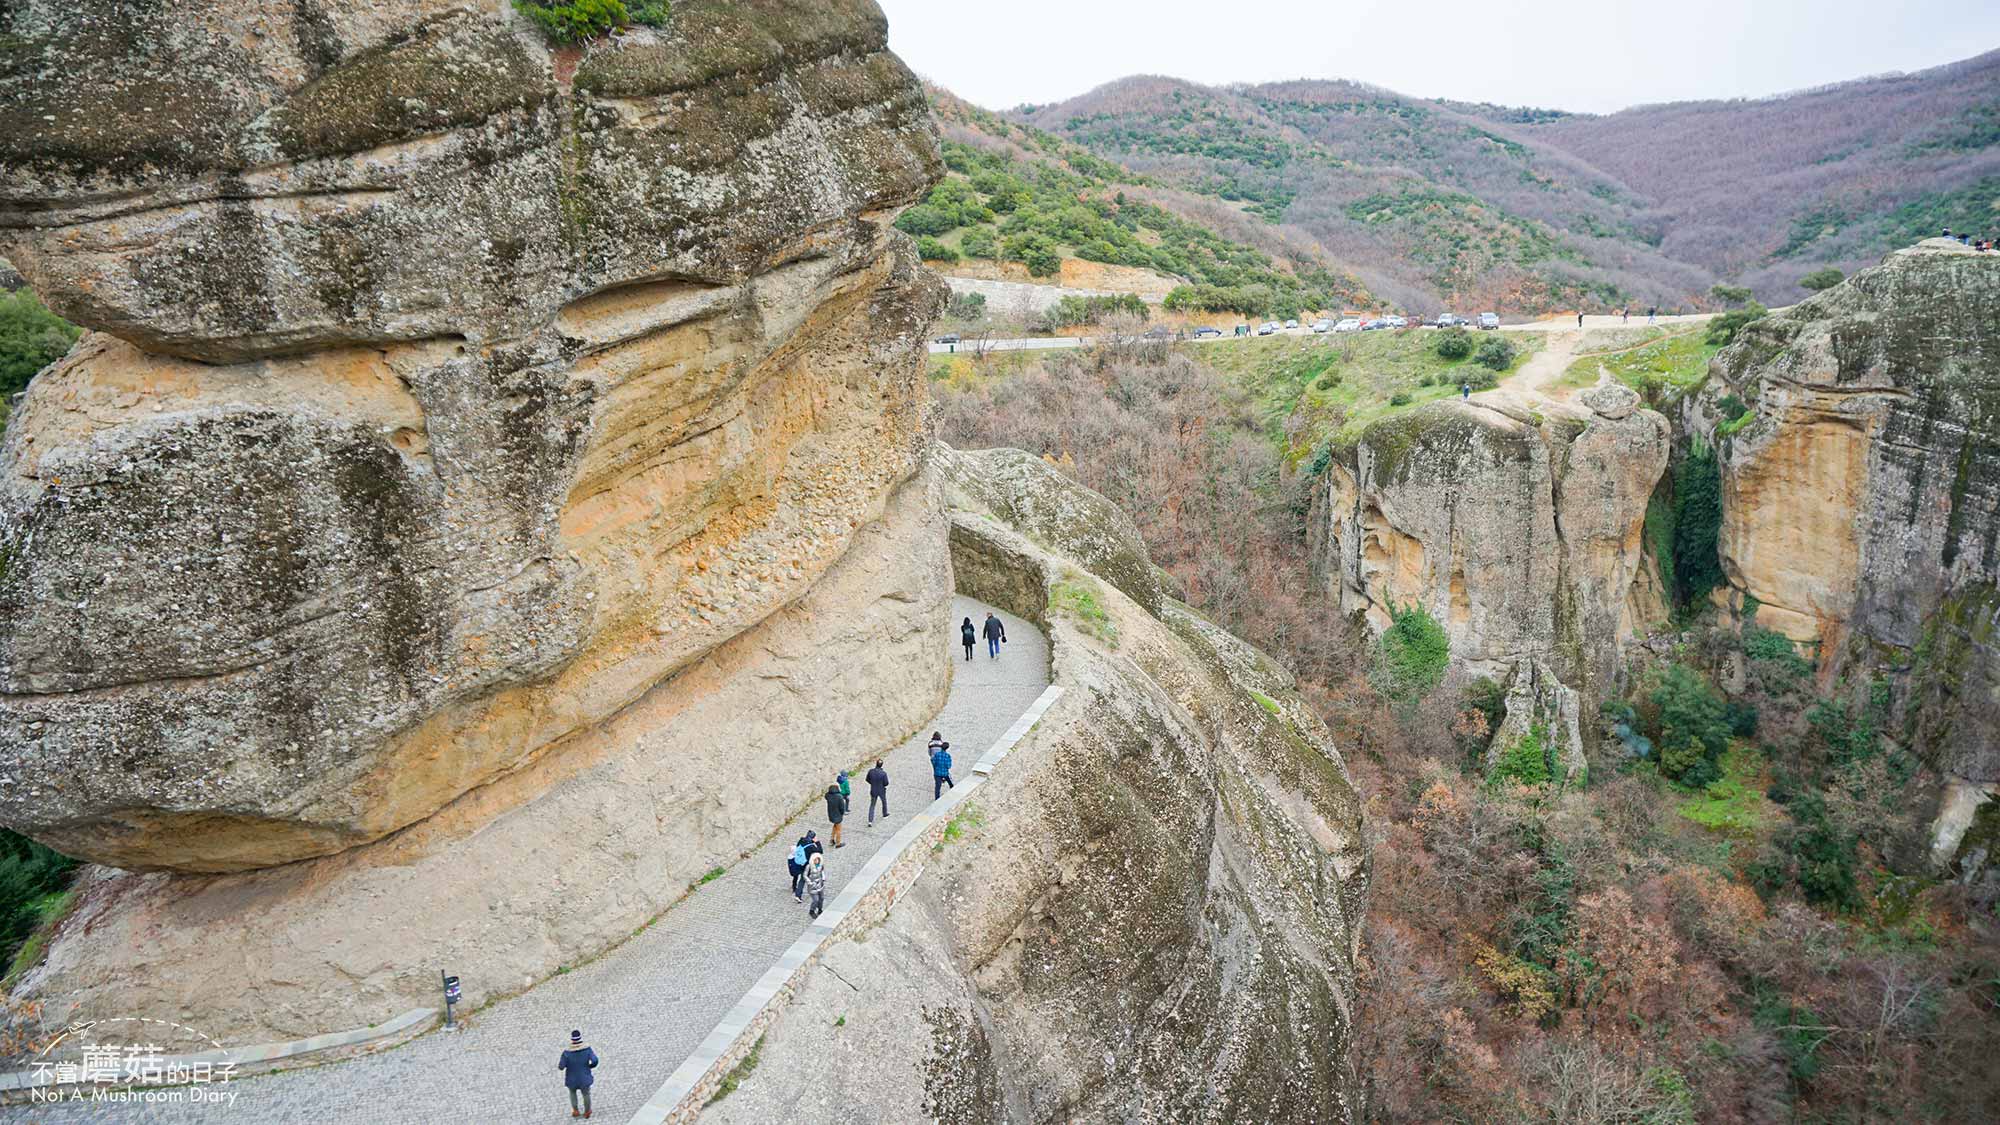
[[1432, 203]]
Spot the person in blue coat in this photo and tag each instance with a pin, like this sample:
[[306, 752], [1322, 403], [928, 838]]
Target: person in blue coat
[[577, 1065], [940, 768]]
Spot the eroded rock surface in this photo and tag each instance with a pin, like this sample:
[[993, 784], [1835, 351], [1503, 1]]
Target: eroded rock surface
[[1861, 501], [1151, 910], [447, 397], [1519, 530]]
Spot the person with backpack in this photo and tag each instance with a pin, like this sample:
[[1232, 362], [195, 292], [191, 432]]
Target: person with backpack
[[816, 886], [940, 767], [878, 790], [996, 635], [836, 811], [968, 636], [846, 792], [803, 851], [577, 1063]]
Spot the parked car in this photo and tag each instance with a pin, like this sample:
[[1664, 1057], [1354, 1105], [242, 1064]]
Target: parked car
[[1350, 324], [1488, 320], [1204, 332], [1322, 325], [948, 338], [1268, 328], [1291, 324], [1373, 324], [1159, 332], [1450, 320], [1395, 322]]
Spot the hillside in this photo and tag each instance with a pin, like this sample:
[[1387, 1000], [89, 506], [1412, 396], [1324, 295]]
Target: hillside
[[1439, 203], [1020, 203]]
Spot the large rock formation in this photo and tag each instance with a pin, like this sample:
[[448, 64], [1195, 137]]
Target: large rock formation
[[1861, 501], [1151, 911], [1518, 528], [468, 430]]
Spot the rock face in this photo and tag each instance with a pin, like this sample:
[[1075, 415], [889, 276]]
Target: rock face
[[447, 397], [1861, 502], [1519, 530], [469, 433], [1152, 910]]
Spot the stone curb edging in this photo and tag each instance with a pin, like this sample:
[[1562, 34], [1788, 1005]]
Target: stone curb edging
[[409, 1022], [890, 871]]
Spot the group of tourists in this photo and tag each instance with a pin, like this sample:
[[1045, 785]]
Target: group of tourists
[[805, 864], [1965, 239]]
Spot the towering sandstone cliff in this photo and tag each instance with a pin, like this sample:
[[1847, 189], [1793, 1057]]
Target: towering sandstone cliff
[[1861, 501], [1518, 527], [469, 436]]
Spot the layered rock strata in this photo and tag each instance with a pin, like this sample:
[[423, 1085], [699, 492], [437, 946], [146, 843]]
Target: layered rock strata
[[469, 430]]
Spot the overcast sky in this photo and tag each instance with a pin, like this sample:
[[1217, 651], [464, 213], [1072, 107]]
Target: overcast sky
[[1568, 54]]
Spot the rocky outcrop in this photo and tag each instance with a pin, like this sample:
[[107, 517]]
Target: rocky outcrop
[[1861, 497], [1151, 910], [466, 426], [1517, 528]]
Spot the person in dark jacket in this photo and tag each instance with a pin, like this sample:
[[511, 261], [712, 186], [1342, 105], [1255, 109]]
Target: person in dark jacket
[[803, 850], [996, 635], [878, 790], [968, 636], [1579, 319], [940, 768], [836, 810], [577, 1063]]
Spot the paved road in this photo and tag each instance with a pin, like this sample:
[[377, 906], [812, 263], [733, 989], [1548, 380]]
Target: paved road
[[648, 1004], [1554, 324]]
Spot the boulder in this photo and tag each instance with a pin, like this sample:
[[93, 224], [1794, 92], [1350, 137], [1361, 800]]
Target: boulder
[[447, 395]]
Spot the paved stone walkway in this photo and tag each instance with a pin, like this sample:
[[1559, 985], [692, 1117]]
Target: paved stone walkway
[[647, 1004]]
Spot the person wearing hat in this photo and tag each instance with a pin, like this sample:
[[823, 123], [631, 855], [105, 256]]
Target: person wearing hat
[[802, 852], [816, 886], [577, 1063], [846, 792]]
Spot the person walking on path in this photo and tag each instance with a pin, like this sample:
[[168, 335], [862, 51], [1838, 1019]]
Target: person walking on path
[[878, 790], [940, 768], [1579, 318], [996, 635], [836, 810], [1650, 310], [807, 847], [968, 635], [1465, 390], [1625, 315], [577, 1063], [816, 886], [846, 792]]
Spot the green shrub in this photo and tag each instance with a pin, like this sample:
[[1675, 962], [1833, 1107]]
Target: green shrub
[[978, 242], [1076, 597], [577, 20], [1495, 353], [1730, 294], [1034, 251], [1413, 653], [33, 879], [931, 250], [1731, 407], [1400, 398], [1481, 379], [1693, 727], [1775, 653], [1724, 328], [31, 338], [1697, 525], [1822, 279], [1525, 760], [1453, 343]]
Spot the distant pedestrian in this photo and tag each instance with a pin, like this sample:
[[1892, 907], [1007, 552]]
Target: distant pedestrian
[[1464, 390], [1579, 318], [1625, 315], [816, 886], [969, 637], [1650, 310], [878, 790], [1947, 232], [577, 1064], [996, 635], [836, 810], [803, 851], [940, 769]]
